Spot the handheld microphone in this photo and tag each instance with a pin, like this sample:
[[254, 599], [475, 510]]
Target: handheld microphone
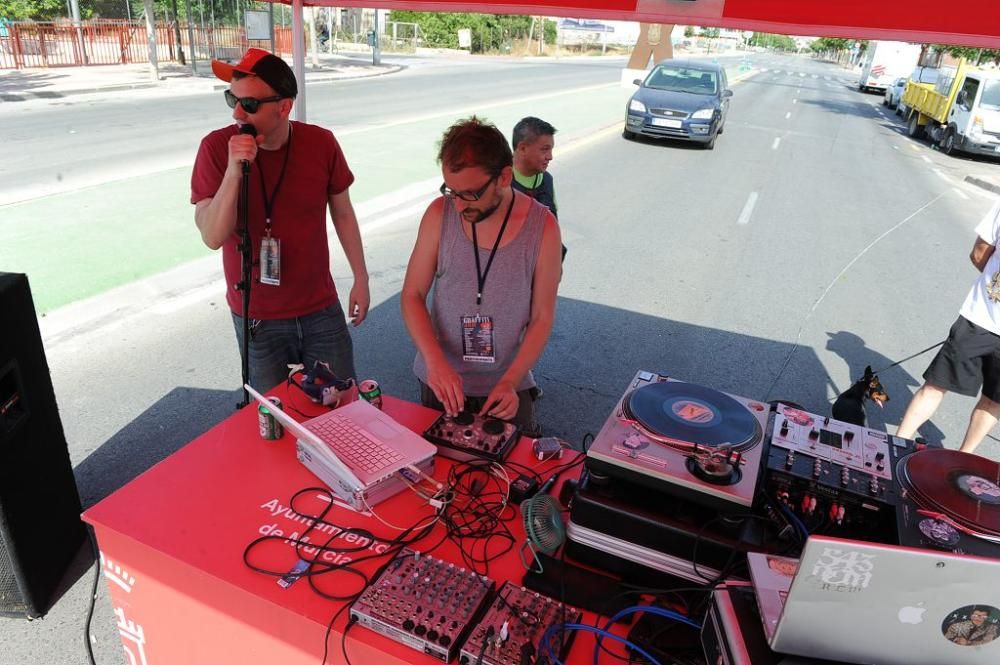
[[252, 131]]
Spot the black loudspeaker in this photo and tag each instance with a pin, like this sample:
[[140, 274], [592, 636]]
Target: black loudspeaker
[[40, 527]]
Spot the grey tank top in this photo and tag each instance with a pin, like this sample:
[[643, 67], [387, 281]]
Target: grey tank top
[[506, 297]]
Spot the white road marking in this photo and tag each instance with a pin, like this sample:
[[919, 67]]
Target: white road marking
[[802, 73], [795, 101], [960, 193], [747, 209], [895, 147], [777, 140], [788, 115], [915, 147], [763, 69], [978, 191], [925, 158], [939, 173]]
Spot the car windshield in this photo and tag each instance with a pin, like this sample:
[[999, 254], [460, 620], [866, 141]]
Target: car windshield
[[991, 95], [683, 79]]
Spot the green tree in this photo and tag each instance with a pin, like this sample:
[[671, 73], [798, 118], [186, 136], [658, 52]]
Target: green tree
[[974, 55], [767, 40], [490, 32], [34, 10]]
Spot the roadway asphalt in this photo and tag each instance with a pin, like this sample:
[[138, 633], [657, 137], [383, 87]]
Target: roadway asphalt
[[814, 240]]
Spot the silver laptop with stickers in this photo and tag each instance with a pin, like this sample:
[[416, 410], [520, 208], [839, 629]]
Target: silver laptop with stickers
[[876, 604]]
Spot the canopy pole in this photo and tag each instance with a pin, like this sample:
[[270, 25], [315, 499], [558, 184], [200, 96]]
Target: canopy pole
[[299, 59]]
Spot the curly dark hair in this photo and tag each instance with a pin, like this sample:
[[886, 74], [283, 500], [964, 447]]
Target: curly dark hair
[[474, 142]]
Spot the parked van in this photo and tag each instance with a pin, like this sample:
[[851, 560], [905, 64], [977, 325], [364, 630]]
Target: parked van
[[884, 62]]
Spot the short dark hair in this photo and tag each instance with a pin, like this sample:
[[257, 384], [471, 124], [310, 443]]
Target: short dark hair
[[474, 142], [530, 129]]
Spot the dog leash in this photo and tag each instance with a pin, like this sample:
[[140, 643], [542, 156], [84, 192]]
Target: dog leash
[[918, 353]]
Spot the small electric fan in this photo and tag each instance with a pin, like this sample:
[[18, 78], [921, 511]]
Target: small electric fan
[[544, 528]]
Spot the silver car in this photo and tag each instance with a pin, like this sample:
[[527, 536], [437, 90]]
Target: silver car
[[894, 93]]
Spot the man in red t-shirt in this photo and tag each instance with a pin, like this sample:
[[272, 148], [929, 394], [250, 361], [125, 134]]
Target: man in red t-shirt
[[297, 171]]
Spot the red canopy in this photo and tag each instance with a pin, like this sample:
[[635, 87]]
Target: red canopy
[[965, 23]]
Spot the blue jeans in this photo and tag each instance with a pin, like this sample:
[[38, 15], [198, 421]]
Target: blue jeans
[[276, 343]]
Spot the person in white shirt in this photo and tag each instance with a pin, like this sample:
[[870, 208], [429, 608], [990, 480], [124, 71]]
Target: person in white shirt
[[969, 360]]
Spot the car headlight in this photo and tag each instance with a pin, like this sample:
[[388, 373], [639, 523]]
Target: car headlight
[[703, 114], [636, 105]]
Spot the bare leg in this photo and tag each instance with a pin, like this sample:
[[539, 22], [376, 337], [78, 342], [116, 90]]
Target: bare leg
[[982, 420], [923, 405]]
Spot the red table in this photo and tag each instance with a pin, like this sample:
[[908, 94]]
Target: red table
[[172, 544]]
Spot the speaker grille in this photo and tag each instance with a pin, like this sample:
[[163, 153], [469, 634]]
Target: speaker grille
[[40, 527]]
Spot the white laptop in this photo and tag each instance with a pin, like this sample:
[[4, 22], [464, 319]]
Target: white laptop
[[875, 604], [359, 445]]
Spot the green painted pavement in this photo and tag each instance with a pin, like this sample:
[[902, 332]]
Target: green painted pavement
[[78, 244]]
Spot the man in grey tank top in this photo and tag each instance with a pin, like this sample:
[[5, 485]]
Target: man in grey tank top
[[489, 256]]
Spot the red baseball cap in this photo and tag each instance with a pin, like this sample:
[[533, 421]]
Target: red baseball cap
[[268, 67]]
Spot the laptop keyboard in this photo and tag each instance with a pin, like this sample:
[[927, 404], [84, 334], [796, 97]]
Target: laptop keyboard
[[353, 445]]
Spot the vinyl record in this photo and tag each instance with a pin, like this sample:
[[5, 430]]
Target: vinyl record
[[687, 414], [964, 487]]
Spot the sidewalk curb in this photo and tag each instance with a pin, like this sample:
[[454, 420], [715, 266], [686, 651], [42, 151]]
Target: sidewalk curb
[[983, 184], [322, 77]]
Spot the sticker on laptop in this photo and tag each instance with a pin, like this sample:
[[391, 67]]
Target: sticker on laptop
[[842, 570], [972, 625]]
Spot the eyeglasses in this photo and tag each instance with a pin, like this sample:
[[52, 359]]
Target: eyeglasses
[[250, 104], [466, 195]]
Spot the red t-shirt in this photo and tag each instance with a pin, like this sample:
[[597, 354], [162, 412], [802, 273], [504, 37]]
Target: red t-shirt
[[316, 170]]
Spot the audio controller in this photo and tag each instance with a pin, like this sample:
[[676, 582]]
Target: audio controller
[[834, 472], [424, 603], [510, 631], [469, 436]]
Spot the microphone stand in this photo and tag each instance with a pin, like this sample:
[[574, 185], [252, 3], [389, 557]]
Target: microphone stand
[[246, 261]]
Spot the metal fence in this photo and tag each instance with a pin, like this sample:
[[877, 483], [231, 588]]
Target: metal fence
[[120, 41]]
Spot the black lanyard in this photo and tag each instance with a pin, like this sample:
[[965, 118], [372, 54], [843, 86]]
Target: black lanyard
[[481, 276], [269, 200], [539, 179]]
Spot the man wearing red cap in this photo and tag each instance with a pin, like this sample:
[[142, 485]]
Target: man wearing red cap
[[297, 171]]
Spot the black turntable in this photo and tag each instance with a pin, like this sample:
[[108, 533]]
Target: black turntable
[[951, 501], [684, 439]]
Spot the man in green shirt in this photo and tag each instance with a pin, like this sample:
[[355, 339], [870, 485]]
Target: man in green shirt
[[532, 141]]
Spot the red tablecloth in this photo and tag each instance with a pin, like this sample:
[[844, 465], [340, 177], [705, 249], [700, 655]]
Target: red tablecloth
[[172, 544]]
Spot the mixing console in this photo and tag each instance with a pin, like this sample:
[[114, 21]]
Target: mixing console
[[511, 629], [423, 602]]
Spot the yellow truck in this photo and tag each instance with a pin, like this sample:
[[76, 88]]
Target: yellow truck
[[961, 111]]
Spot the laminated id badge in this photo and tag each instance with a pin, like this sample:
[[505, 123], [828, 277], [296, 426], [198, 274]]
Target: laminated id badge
[[477, 339], [270, 261]]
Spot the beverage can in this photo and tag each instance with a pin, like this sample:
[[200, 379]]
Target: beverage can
[[270, 428], [371, 392]]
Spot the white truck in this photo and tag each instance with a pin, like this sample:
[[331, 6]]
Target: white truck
[[884, 62], [961, 111]]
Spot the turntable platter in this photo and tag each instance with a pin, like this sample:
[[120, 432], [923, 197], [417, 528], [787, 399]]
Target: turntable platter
[[963, 486], [689, 414]]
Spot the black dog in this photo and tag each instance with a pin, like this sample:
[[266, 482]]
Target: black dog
[[850, 404]]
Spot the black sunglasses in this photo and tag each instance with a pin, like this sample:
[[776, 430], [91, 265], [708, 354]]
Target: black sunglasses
[[466, 196], [250, 104]]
